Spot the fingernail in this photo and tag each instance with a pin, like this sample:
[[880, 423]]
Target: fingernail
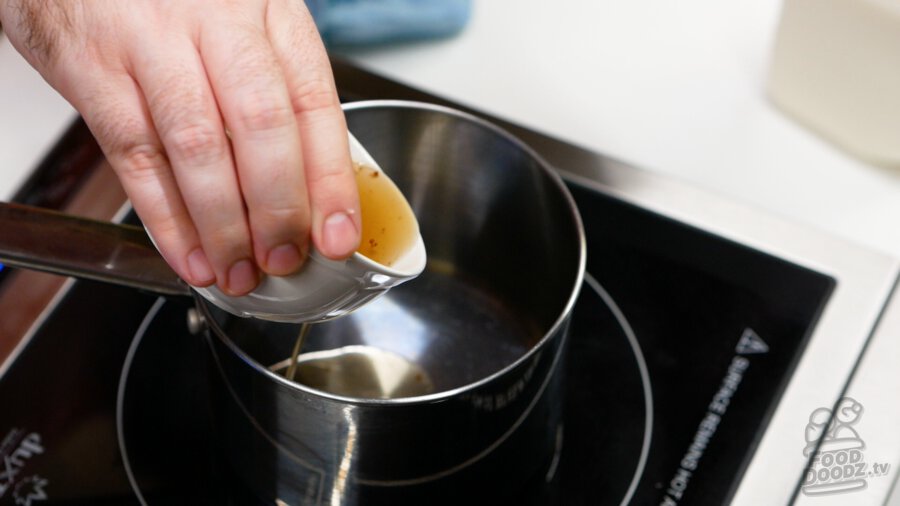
[[283, 260], [241, 278], [199, 269], [339, 235]]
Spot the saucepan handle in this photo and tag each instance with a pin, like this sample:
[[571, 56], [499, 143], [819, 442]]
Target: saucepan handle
[[50, 241]]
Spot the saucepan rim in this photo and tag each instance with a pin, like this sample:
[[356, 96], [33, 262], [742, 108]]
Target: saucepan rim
[[457, 391]]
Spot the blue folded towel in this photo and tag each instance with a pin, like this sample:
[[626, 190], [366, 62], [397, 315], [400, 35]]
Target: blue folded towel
[[367, 22]]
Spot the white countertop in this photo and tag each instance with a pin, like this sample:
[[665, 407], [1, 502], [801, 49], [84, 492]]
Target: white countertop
[[32, 117], [673, 87]]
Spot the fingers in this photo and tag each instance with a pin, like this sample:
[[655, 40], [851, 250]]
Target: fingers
[[252, 96], [119, 119], [189, 126], [334, 200], [160, 107]]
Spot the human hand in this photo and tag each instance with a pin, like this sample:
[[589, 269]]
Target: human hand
[[220, 118]]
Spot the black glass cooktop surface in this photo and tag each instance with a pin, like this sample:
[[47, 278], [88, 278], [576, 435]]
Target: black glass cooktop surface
[[681, 345]]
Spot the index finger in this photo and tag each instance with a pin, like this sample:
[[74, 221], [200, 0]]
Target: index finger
[[252, 95], [334, 201]]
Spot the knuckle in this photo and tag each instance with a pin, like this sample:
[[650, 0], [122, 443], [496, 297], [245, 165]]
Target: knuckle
[[287, 213], [284, 219], [142, 161], [332, 190], [261, 114], [196, 144], [226, 242], [330, 178], [170, 226], [314, 95], [134, 153]]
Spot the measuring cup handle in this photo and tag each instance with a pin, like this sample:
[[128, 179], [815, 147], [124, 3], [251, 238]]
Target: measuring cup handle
[[45, 240]]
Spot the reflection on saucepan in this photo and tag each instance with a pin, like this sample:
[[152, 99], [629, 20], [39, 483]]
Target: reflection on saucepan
[[442, 327]]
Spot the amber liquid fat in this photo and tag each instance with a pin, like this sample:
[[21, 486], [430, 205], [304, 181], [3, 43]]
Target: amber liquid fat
[[389, 226]]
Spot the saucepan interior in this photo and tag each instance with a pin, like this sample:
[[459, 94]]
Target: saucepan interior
[[505, 260]]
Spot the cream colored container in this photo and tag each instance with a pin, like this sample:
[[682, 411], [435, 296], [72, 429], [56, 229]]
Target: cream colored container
[[836, 69]]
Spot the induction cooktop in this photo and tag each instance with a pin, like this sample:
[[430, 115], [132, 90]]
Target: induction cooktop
[[710, 347]]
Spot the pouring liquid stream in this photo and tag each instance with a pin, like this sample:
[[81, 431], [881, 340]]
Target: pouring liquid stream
[[291, 372], [389, 231]]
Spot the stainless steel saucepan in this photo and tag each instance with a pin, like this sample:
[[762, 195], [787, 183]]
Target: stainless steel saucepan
[[448, 382]]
